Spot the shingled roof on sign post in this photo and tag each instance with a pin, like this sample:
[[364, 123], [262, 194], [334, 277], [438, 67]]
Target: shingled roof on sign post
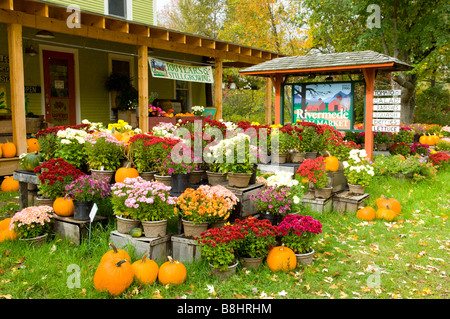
[[324, 63]]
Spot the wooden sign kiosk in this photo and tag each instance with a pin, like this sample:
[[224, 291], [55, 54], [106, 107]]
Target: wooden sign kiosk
[[368, 63]]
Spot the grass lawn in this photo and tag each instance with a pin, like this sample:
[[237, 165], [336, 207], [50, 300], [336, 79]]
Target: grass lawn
[[407, 258]]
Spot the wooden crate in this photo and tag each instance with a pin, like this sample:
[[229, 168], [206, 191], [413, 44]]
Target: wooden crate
[[348, 202], [245, 206], [317, 204], [8, 165], [156, 249], [185, 250], [74, 230]]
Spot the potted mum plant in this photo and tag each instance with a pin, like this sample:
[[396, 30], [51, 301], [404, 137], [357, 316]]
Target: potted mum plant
[[272, 202], [144, 155], [71, 147], [218, 247], [104, 154], [145, 202], [198, 209], [84, 192], [358, 170], [315, 171], [53, 177], [259, 236], [297, 233], [32, 224]]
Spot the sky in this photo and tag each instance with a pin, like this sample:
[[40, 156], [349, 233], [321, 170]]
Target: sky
[[161, 3]]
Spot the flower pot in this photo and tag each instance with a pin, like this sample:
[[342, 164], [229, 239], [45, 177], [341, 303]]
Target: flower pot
[[382, 147], [81, 210], [148, 176], [166, 180], [216, 178], [195, 177], [40, 201], [310, 155], [124, 225], [35, 241], [272, 218], [297, 157], [278, 158], [99, 174], [305, 259], [217, 224], [239, 180], [356, 189], [180, 182], [248, 262], [224, 274], [154, 229], [323, 192], [193, 230]]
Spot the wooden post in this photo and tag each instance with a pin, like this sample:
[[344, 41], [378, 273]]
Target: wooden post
[[143, 87], [276, 81], [19, 124], [369, 77], [218, 69], [268, 102]]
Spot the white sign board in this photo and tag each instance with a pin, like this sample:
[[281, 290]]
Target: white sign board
[[392, 129], [386, 121], [387, 92], [387, 107], [387, 100], [386, 115]]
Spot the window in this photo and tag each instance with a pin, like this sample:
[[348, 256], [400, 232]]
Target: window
[[119, 64], [119, 8], [182, 94]]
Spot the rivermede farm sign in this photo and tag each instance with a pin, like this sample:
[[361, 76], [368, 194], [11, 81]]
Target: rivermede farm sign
[[175, 71]]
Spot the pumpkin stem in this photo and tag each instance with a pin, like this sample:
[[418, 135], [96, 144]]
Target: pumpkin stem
[[170, 259], [114, 248], [144, 258], [328, 153], [120, 262]]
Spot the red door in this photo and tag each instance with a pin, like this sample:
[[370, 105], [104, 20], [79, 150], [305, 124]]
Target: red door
[[59, 88]]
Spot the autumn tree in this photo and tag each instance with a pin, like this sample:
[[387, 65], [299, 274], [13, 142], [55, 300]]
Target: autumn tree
[[415, 32]]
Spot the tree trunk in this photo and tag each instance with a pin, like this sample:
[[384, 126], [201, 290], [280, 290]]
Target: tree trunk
[[408, 84]]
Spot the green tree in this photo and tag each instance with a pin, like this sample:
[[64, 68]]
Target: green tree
[[415, 32]]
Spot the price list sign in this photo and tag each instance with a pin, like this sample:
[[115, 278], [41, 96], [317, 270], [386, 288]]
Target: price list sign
[[386, 111]]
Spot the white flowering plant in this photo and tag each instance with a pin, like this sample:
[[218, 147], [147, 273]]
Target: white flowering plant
[[198, 110], [71, 146], [358, 169]]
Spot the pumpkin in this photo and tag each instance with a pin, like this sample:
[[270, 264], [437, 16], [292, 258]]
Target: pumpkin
[[5, 232], [331, 163], [115, 254], [386, 213], [30, 161], [145, 270], [172, 272], [33, 145], [9, 185], [366, 213], [63, 206], [281, 258], [1, 153], [113, 276], [383, 202], [124, 172], [9, 149]]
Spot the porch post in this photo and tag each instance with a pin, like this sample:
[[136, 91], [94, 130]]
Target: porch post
[[369, 77], [268, 102], [143, 87], [276, 81], [218, 69], [15, 47]]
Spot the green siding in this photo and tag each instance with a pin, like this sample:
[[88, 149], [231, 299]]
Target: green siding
[[94, 6], [143, 11]]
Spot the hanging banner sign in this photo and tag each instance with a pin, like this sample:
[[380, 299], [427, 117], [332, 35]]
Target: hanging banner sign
[[386, 115], [387, 107], [175, 71], [386, 121], [391, 129], [387, 100], [387, 92]]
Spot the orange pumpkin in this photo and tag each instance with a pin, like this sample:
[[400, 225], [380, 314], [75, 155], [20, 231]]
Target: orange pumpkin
[[9, 149], [124, 172], [115, 254], [145, 270], [1, 152], [33, 145], [172, 272], [281, 258], [113, 276], [331, 163], [386, 214], [63, 206], [383, 202], [5, 232], [9, 185], [366, 213]]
